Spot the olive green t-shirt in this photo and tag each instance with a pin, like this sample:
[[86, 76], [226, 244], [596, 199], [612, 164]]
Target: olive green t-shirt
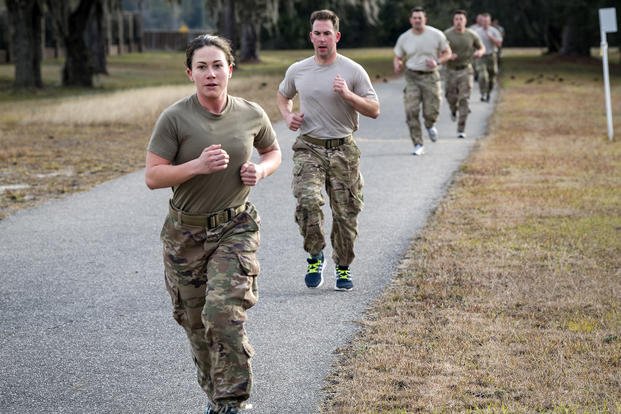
[[185, 128], [464, 45]]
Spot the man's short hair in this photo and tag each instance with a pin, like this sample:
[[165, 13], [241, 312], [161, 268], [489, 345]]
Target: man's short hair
[[460, 11], [417, 9], [325, 15]]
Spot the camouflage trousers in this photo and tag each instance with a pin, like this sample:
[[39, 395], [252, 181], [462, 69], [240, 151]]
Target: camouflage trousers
[[458, 87], [421, 88], [211, 275], [487, 69], [338, 170]]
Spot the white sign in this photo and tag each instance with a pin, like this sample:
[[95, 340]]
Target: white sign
[[608, 20]]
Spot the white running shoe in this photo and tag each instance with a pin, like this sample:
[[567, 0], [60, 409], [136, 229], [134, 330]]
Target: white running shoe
[[461, 135], [433, 133], [418, 149]]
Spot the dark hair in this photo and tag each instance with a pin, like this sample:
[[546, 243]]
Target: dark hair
[[325, 15], [460, 11], [208, 40], [417, 9]]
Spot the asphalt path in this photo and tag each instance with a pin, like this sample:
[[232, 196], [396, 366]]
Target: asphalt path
[[86, 321]]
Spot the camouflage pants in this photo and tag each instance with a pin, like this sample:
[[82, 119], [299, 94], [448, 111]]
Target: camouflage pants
[[421, 88], [338, 170], [487, 69], [458, 87], [211, 278]]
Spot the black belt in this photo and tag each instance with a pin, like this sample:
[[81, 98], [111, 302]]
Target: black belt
[[422, 72], [461, 67], [327, 143], [210, 220]]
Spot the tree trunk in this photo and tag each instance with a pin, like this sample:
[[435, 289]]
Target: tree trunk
[[249, 51], [95, 38], [78, 70], [26, 37], [553, 39], [227, 23], [576, 37]]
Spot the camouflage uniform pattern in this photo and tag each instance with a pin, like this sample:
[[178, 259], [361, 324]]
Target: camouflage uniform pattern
[[421, 88], [458, 88], [487, 69], [338, 169], [211, 275]]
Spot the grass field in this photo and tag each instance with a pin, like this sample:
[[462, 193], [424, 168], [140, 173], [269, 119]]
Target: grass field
[[508, 301]]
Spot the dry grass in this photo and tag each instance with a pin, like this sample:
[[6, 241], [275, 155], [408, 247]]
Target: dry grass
[[510, 300]]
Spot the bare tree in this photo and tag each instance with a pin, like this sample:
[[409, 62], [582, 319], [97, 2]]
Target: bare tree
[[25, 18]]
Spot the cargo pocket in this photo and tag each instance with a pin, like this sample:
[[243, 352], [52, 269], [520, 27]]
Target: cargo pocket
[[178, 311], [248, 349], [245, 284]]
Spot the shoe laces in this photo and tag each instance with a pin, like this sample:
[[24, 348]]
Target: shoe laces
[[343, 273], [314, 266]]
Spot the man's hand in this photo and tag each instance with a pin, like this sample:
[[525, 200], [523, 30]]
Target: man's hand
[[251, 173], [294, 120], [431, 63], [340, 86], [397, 64]]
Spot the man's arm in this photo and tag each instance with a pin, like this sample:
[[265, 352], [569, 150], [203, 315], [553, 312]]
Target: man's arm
[[495, 36], [397, 64], [445, 55], [285, 106], [365, 106]]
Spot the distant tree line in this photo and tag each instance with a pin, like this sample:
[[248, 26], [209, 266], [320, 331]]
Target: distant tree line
[[561, 26]]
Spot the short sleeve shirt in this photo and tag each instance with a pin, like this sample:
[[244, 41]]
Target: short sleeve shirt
[[415, 48], [185, 128], [326, 114], [484, 34], [463, 44]]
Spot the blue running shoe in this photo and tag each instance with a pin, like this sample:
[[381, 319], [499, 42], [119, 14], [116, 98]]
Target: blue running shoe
[[343, 279], [314, 271]]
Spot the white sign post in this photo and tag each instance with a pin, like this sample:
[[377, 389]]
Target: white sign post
[[607, 24]]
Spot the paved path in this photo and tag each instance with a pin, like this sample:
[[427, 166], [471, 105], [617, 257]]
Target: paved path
[[86, 322]]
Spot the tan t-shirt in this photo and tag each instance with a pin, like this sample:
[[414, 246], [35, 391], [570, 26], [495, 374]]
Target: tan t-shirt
[[485, 34], [415, 48], [463, 44], [326, 114], [185, 128]]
